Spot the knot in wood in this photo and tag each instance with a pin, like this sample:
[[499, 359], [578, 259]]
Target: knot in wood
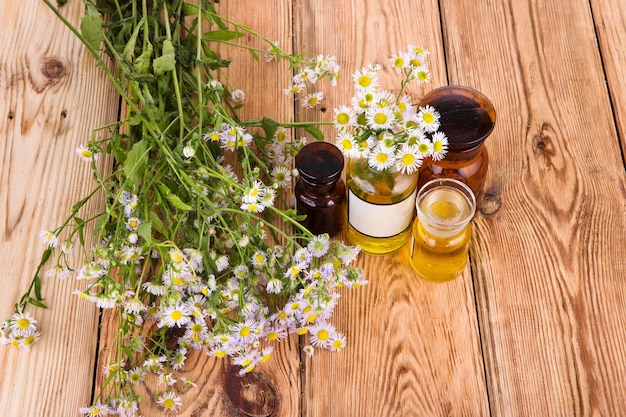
[[54, 68], [251, 394], [490, 203]]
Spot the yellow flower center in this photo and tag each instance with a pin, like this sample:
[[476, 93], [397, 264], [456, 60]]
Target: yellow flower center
[[272, 336], [23, 323], [245, 331], [408, 159], [380, 118], [381, 158], [364, 81], [85, 153], [398, 62], [338, 344], [322, 334], [176, 315], [437, 146], [343, 118], [429, 117], [346, 144], [169, 404]]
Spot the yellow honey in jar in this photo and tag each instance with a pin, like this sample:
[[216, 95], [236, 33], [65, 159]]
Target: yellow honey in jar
[[441, 232]]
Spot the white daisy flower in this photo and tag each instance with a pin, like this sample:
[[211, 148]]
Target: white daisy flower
[[428, 118], [366, 78], [381, 159], [49, 238], [380, 118], [408, 159], [345, 117], [311, 100], [440, 146], [86, 154]]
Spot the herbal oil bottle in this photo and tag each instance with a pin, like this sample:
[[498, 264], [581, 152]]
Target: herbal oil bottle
[[380, 207], [442, 230], [467, 117], [320, 191]]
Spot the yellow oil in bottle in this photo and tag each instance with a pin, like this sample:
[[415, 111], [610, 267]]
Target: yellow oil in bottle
[[440, 238]]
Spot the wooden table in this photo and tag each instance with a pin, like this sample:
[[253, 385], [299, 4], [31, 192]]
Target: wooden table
[[534, 327]]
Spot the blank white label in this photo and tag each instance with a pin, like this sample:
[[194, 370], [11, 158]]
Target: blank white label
[[380, 220]]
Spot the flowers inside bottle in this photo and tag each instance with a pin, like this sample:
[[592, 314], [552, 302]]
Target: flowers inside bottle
[[386, 137]]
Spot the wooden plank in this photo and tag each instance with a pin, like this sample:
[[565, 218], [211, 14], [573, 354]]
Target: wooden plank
[[276, 384], [50, 88], [610, 20], [548, 255], [413, 346]]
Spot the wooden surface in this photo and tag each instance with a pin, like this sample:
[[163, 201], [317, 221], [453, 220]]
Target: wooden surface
[[534, 327]]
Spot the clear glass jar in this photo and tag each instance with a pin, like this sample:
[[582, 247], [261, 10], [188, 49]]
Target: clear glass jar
[[319, 191], [442, 230], [381, 207], [467, 118]]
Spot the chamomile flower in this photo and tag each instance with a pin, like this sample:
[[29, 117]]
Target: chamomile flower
[[96, 410], [309, 350], [428, 118], [259, 259], [252, 207], [311, 100], [321, 334], [170, 401], [345, 117], [176, 315], [268, 197], [274, 286], [319, 245], [281, 176], [399, 62], [408, 159], [49, 238], [366, 78], [440, 146], [337, 342], [133, 223], [22, 323], [423, 76], [347, 144], [136, 375], [381, 158], [380, 118], [86, 154], [68, 246], [424, 147]]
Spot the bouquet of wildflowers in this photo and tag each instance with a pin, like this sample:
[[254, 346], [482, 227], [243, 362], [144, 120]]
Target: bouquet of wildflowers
[[195, 252], [386, 129]]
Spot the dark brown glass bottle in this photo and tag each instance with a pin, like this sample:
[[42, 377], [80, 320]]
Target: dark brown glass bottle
[[320, 191], [467, 118]]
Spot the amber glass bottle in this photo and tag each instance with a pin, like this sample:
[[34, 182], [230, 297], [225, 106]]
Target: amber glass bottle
[[467, 118], [320, 191]]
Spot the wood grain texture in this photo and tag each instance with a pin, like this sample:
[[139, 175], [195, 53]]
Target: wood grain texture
[[49, 88], [413, 346], [548, 253], [610, 20]]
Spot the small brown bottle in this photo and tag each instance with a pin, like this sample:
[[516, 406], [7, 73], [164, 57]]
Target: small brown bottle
[[319, 190]]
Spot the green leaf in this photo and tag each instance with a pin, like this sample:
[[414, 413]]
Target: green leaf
[[142, 63], [145, 232], [38, 288], [91, 26], [157, 224], [221, 35], [36, 303], [315, 132], [172, 198], [167, 61], [80, 228], [135, 164], [129, 49], [269, 127]]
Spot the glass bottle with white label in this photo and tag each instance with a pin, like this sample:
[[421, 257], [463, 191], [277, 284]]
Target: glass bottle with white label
[[380, 207]]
